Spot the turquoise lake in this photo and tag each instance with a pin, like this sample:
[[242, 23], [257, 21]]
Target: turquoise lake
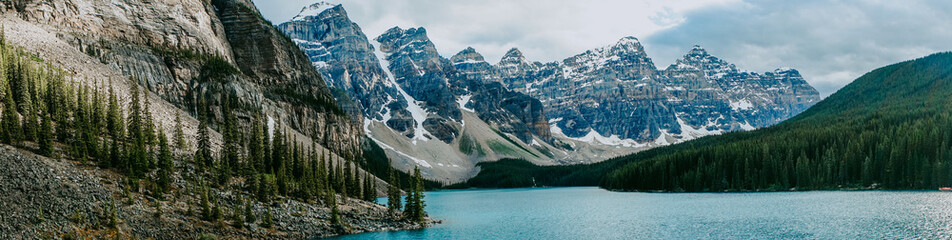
[[592, 213]]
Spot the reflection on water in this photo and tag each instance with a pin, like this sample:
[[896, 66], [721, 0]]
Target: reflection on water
[[591, 213]]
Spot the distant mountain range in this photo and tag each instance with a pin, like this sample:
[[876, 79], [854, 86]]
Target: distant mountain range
[[446, 115], [885, 130]]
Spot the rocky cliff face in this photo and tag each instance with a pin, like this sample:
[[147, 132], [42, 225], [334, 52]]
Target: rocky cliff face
[[185, 50], [338, 48], [510, 111], [287, 77]]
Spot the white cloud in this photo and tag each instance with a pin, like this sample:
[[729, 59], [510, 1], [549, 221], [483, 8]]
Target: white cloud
[[545, 30], [830, 42]]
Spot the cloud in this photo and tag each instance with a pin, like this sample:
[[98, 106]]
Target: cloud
[[545, 30], [831, 42]]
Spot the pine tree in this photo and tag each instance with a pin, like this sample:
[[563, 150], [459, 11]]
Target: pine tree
[[79, 141], [256, 146], [216, 211], [64, 126], [158, 209], [114, 122], [393, 192], [409, 206], [148, 126], [249, 213], [26, 109], [230, 140], [114, 159], [267, 222], [52, 94], [282, 180], [206, 208], [277, 151], [349, 180], [10, 119], [96, 124], [264, 189], [46, 137], [414, 208], [203, 156], [341, 179], [420, 216], [179, 132], [368, 193], [297, 166], [165, 164], [331, 200], [137, 152]]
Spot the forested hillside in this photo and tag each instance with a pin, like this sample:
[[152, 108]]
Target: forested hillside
[[890, 128]]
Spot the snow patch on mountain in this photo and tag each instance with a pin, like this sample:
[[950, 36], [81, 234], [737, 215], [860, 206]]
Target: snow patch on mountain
[[688, 132], [413, 106], [463, 100], [313, 10], [383, 145], [742, 104]]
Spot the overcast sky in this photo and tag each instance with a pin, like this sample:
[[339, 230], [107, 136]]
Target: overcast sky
[[831, 42]]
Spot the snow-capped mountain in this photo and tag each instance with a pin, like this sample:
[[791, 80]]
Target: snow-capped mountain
[[616, 92], [446, 115]]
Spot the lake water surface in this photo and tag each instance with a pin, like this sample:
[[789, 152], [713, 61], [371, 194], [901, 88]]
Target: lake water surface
[[592, 213]]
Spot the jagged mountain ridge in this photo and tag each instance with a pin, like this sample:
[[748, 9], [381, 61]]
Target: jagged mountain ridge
[[584, 107], [616, 91]]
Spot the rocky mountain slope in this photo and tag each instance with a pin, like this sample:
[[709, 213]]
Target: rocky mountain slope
[[55, 198]]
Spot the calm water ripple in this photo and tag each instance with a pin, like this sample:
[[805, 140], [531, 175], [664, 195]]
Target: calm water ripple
[[592, 213]]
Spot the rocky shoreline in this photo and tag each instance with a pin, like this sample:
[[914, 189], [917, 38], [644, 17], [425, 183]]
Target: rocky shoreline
[[58, 198]]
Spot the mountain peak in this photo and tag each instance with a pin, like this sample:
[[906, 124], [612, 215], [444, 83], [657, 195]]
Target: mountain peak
[[628, 40], [698, 53], [698, 58], [697, 48], [627, 44], [468, 55], [314, 10], [513, 55], [513, 52]]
